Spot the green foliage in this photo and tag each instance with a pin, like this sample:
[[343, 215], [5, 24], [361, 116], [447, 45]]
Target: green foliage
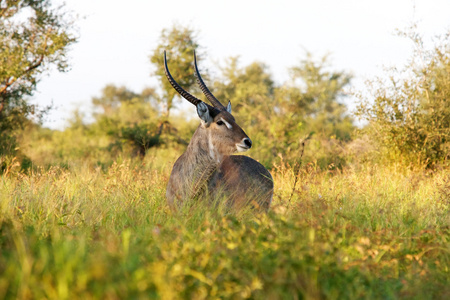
[[98, 225], [33, 37], [409, 116], [129, 118], [312, 102], [125, 124], [279, 119], [319, 93], [251, 92], [87, 222], [179, 43], [79, 232]]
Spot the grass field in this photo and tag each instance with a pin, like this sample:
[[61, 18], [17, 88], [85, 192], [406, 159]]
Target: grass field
[[81, 232]]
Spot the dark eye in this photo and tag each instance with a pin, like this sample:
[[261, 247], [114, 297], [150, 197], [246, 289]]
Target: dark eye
[[220, 123]]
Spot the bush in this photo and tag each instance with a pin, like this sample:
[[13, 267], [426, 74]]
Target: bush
[[409, 115]]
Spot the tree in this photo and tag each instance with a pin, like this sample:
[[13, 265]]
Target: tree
[[113, 97], [180, 44], [409, 114], [251, 91], [319, 93], [128, 118], [312, 103], [33, 37], [280, 118]]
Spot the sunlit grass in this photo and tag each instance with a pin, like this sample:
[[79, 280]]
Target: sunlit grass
[[85, 232]]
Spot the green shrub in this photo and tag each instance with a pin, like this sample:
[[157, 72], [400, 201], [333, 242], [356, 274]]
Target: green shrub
[[409, 115]]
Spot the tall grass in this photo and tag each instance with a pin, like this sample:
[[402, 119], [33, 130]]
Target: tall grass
[[86, 232]]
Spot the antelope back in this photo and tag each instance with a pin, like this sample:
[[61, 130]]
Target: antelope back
[[242, 181]]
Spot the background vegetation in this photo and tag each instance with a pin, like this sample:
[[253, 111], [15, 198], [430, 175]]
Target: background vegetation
[[357, 212]]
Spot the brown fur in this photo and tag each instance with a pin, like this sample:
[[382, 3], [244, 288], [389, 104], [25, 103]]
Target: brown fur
[[208, 170]]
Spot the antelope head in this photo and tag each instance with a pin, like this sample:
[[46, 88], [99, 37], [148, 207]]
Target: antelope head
[[225, 136]]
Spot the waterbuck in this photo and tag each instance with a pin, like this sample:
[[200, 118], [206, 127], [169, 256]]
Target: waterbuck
[[207, 169]]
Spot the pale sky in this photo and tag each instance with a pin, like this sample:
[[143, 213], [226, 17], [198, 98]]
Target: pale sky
[[117, 37]]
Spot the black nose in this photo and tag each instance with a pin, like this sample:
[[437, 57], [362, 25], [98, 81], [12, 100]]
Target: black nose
[[248, 142]]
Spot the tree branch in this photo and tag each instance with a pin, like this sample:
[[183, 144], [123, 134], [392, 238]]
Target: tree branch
[[3, 93]]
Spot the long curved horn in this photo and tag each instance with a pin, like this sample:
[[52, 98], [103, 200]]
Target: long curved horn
[[216, 103], [177, 87]]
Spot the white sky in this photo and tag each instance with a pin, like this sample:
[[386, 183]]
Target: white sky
[[117, 37]]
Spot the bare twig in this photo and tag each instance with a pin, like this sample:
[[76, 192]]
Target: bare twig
[[297, 167]]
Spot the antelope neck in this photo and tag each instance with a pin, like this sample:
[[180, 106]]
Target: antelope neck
[[202, 149]]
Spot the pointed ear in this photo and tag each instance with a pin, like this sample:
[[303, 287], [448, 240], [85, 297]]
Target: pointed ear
[[229, 107], [203, 113]]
